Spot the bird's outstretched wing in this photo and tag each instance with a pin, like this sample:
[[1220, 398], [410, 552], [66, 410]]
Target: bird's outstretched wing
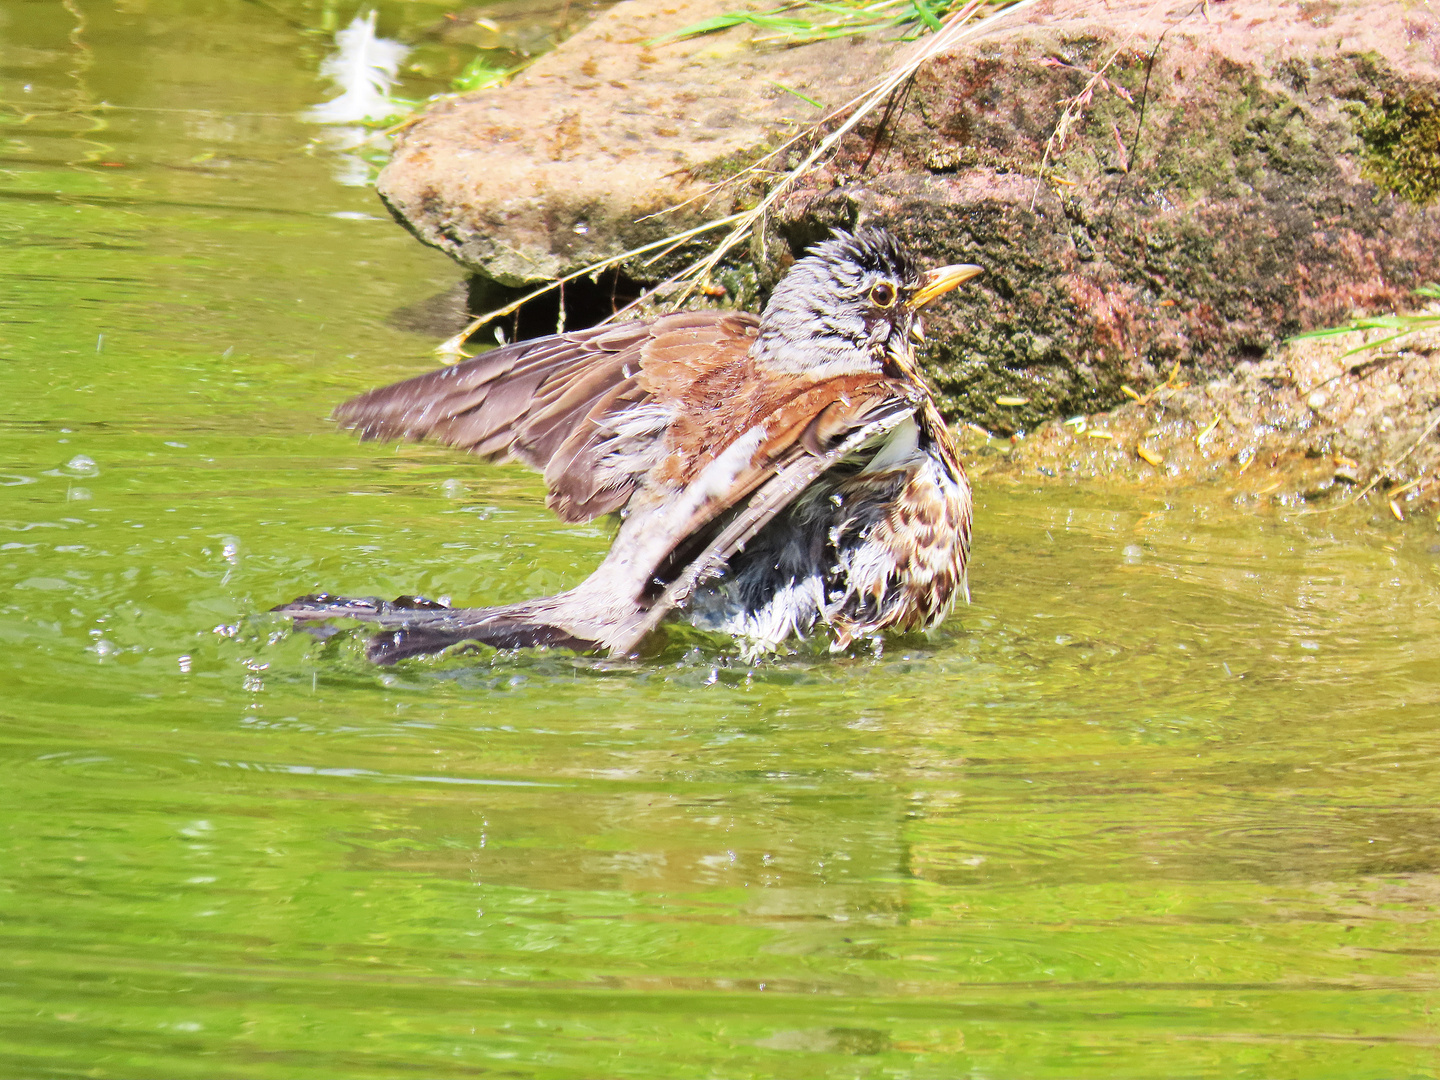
[[576, 406]]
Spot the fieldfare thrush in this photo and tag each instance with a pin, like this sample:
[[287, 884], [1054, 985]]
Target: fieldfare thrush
[[769, 473]]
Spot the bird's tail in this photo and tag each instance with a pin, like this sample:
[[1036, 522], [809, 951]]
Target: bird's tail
[[411, 626]]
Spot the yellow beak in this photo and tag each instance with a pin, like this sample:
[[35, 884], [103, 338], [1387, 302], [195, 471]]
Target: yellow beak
[[941, 280]]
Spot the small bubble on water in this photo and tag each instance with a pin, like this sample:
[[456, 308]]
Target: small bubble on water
[[1311, 645], [1133, 553], [178, 445], [82, 465], [79, 495]]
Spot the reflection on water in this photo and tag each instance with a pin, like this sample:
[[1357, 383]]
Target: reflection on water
[[1161, 802]]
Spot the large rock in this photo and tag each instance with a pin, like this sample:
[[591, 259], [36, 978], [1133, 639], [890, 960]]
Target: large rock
[[1245, 170], [1218, 193], [570, 163]]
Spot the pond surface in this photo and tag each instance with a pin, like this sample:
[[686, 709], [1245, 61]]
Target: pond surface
[[1164, 801]]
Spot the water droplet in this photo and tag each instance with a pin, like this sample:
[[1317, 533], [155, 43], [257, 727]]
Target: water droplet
[[81, 465]]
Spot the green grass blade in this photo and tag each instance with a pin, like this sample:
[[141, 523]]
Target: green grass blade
[[705, 26], [795, 93], [847, 17], [927, 16]]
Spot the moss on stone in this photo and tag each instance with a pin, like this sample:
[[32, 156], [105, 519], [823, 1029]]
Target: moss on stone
[[720, 169], [1402, 146]]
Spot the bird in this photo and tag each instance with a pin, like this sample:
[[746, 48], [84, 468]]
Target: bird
[[770, 474]]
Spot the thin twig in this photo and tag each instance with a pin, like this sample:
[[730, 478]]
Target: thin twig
[[1075, 106], [953, 31], [1353, 369], [454, 346], [1382, 472], [956, 27]]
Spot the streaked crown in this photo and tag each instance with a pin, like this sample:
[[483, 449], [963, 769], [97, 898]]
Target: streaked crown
[[850, 303]]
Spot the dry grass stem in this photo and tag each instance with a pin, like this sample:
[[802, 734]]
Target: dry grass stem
[[452, 349], [1075, 107], [1383, 472], [956, 27]]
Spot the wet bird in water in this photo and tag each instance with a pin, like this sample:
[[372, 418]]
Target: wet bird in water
[[769, 474]]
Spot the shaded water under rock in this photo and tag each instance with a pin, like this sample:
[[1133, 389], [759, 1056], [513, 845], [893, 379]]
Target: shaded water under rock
[[1162, 801]]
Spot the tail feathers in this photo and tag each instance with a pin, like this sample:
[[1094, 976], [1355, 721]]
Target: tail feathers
[[412, 626]]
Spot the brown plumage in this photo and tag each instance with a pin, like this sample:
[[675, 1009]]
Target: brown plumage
[[769, 473]]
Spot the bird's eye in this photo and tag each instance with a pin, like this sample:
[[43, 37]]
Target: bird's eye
[[883, 294]]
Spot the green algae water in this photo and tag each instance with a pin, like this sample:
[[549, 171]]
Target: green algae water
[[1164, 801]]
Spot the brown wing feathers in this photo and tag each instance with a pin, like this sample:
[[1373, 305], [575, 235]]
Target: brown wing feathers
[[472, 402], [565, 404], [591, 409], [525, 399]]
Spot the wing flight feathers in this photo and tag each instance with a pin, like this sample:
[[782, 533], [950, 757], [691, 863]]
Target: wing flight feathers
[[578, 406], [491, 391]]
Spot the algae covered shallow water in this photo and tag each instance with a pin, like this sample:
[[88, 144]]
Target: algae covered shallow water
[[1161, 802]]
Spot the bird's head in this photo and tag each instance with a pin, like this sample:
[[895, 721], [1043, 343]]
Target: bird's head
[[851, 304]]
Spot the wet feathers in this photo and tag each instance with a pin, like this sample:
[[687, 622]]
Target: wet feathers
[[771, 473]]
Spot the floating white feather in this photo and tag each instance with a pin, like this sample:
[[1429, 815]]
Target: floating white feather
[[364, 67]]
